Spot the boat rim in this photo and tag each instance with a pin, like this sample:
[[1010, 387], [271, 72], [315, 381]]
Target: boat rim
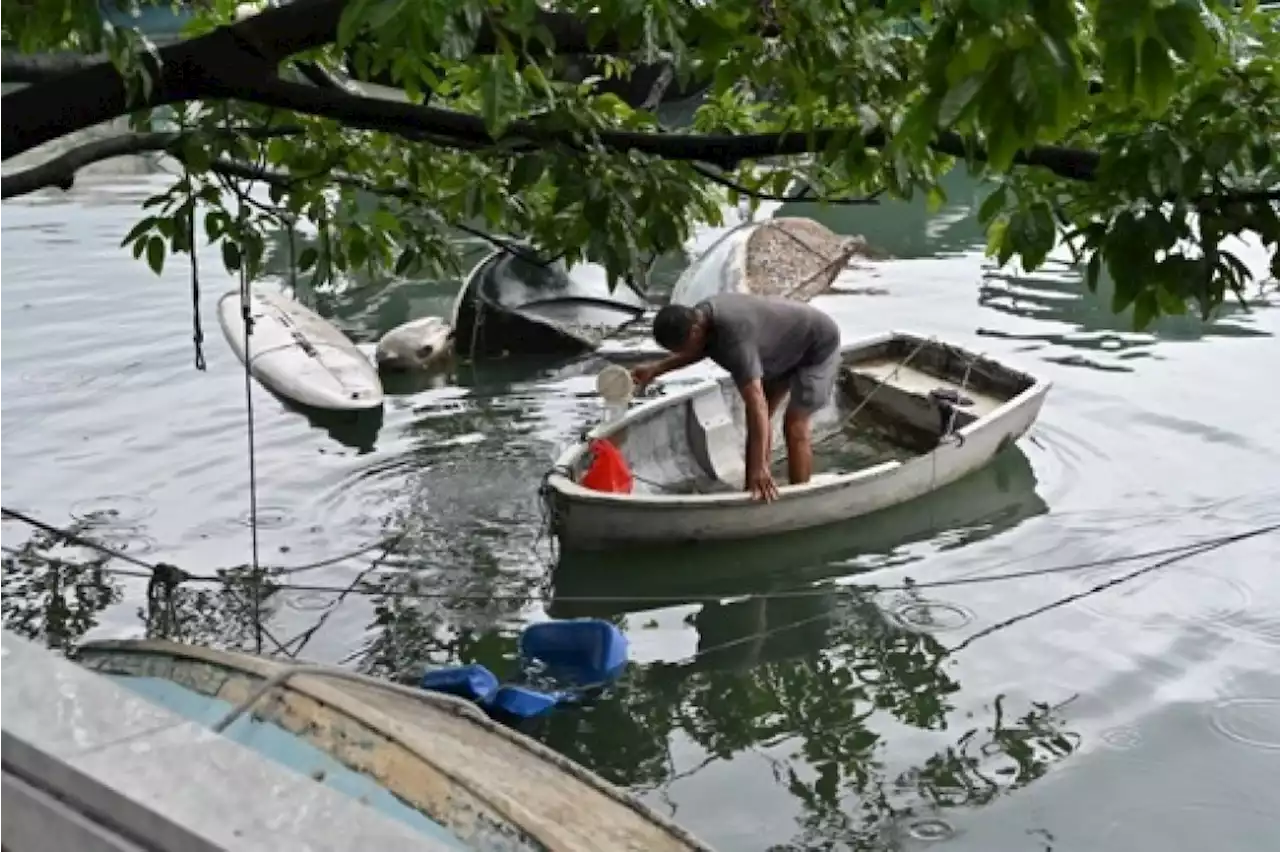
[[560, 483]]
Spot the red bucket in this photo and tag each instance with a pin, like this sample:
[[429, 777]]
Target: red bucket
[[609, 470]]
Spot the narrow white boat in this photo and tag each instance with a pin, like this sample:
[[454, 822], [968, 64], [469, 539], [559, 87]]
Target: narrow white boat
[[298, 354], [790, 256], [909, 415], [431, 761]]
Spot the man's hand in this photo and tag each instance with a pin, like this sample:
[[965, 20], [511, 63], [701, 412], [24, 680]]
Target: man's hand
[[643, 375], [760, 484]]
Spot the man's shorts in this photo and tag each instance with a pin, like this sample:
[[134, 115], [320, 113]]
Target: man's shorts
[[810, 385]]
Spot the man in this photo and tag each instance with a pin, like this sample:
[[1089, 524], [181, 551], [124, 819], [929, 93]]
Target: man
[[772, 347]]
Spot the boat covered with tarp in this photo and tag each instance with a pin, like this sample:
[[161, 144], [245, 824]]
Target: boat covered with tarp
[[789, 256], [511, 305], [434, 761]]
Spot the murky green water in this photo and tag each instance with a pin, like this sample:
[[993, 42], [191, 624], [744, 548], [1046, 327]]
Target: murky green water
[[1142, 717]]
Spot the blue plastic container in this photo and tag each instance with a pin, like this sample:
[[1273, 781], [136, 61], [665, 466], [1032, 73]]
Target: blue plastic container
[[474, 682], [575, 653], [521, 703]]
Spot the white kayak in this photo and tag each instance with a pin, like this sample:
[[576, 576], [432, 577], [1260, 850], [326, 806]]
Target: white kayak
[[299, 354]]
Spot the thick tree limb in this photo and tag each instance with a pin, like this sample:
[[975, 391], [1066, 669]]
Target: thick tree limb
[[726, 151], [240, 62], [42, 67], [60, 171]]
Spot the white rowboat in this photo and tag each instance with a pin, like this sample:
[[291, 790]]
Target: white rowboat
[[895, 432]]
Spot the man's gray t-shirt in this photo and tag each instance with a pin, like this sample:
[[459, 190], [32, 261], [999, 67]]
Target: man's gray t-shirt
[[766, 337]]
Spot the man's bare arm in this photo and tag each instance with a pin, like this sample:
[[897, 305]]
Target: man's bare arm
[[676, 360], [759, 435]]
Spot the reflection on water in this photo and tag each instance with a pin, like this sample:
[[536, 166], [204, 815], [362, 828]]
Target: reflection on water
[[777, 701], [984, 504]]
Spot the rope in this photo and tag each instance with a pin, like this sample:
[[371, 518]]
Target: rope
[[165, 569], [197, 329], [1194, 550], [247, 316], [1179, 551]]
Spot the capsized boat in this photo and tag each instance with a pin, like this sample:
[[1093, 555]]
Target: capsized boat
[[789, 256], [909, 415], [510, 305], [433, 761]]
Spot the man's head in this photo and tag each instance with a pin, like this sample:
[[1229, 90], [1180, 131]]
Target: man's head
[[679, 328]]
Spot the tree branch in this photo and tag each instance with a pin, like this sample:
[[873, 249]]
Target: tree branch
[[246, 171], [238, 62], [42, 67], [60, 171]]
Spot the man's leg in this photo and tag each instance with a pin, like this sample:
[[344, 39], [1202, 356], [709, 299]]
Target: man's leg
[[811, 389], [775, 391], [795, 426]]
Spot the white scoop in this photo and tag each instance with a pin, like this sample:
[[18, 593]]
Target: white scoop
[[614, 385]]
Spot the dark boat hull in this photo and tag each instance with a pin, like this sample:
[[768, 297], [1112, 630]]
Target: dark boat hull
[[509, 306]]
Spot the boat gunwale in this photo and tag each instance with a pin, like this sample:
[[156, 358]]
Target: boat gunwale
[[312, 684], [564, 487]]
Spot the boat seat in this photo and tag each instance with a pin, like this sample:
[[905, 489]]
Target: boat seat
[[717, 441]]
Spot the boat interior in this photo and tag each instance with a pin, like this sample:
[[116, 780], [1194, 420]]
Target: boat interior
[[895, 399]]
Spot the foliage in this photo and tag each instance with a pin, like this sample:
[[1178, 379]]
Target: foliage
[[1158, 121]]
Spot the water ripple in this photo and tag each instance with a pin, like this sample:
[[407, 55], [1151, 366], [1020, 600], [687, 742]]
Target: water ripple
[[1252, 722]]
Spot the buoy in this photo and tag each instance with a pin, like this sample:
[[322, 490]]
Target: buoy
[[609, 471]]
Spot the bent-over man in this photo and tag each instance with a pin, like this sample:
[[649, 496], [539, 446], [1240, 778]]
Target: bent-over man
[[772, 347]]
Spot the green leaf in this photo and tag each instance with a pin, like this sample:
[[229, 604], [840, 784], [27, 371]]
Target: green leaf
[[155, 254], [935, 199], [525, 172], [1183, 31], [1120, 69], [1145, 310], [307, 258], [993, 204], [958, 98], [1092, 271], [1157, 77], [500, 97], [990, 10], [138, 230], [230, 255]]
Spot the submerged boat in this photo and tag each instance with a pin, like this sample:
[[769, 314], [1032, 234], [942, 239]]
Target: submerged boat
[[908, 416], [509, 305], [432, 761], [789, 256]]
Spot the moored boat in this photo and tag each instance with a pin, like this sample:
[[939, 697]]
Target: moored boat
[[430, 760], [509, 305], [908, 416], [789, 256]]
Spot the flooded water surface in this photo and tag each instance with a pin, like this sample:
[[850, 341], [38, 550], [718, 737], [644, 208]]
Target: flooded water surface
[[915, 679]]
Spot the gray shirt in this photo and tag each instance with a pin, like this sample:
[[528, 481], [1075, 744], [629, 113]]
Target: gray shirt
[[766, 337]]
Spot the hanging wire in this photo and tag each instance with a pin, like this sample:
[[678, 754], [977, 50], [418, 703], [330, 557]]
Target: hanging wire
[[197, 326], [1179, 551], [246, 315]]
